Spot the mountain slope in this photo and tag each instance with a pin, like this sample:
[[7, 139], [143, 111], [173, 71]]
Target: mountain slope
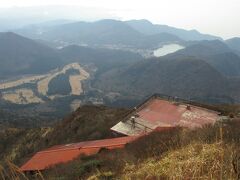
[[227, 63], [146, 27], [185, 77], [103, 59], [19, 55], [205, 48], [234, 44], [86, 123], [217, 54], [103, 32]]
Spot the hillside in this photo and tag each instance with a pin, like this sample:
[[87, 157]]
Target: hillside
[[216, 53], [154, 155], [205, 48], [87, 123], [103, 59], [185, 77], [227, 63], [234, 44], [146, 27], [20, 56]]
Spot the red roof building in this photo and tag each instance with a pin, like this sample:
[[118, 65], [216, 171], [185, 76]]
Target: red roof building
[[161, 112], [156, 113], [65, 153]]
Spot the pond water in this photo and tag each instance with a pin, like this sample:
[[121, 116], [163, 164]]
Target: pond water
[[167, 49]]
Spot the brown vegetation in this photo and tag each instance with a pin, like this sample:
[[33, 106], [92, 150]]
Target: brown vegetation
[[211, 152]]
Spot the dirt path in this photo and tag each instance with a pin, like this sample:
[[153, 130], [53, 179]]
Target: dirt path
[[75, 80], [19, 82]]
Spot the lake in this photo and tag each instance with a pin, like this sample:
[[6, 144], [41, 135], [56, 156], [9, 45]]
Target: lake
[[167, 49]]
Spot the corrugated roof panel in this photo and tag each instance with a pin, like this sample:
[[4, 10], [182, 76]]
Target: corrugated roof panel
[[43, 160], [65, 153]]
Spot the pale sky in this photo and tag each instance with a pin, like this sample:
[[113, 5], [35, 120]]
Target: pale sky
[[217, 17]]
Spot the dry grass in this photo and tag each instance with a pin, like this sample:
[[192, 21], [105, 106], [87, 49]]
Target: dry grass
[[12, 172], [101, 175], [211, 152], [195, 161]]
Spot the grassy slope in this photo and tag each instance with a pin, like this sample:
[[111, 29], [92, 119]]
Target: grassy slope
[[175, 154], [16, 143], [197, 160], [171, 155], [87, 123]]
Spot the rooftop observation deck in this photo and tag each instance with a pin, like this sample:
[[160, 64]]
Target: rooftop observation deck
[[165, 111]]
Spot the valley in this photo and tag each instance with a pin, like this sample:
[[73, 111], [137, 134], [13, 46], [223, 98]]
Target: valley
[[111, 62]]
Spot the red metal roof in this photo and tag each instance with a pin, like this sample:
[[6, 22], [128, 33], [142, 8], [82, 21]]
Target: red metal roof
[[65, 153], [176, 114], [162, 113], [155, 114]]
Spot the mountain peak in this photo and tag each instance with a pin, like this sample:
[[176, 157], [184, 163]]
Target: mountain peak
[[146, 27], [9, 34], [143, 21]]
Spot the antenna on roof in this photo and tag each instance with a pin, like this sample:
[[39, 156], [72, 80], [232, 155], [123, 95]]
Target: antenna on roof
[[133, 121], [188, 107]]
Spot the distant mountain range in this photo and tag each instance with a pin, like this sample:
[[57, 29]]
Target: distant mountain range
[[135, 33], [146, 27], [113, 53], [115, 34], [104, 32]]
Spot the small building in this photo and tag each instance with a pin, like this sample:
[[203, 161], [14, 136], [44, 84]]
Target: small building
[[158, 113], [64, 153], [164, 112]]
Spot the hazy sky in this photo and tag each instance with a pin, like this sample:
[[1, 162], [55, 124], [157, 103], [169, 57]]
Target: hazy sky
[[218, 17]]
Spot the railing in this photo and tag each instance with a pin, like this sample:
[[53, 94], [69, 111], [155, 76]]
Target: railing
[[145, 127]]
